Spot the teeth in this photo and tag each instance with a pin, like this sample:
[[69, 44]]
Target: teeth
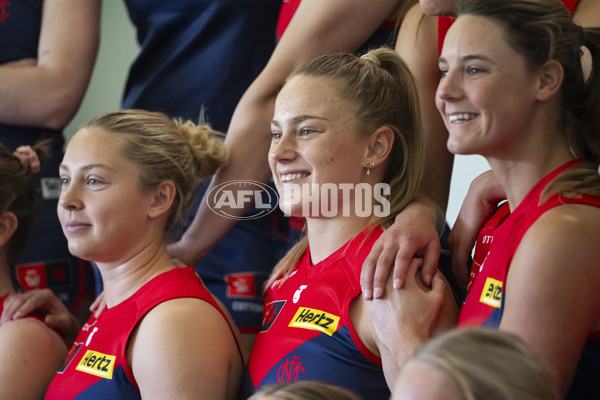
[[291, 177], [461, 117]]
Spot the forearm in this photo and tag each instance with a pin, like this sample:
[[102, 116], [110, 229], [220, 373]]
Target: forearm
[[248, 140], [46, 91], [36, 96]]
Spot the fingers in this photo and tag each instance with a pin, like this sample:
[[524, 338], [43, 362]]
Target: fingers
[[431, 258], [178, 263], [98, 305], [28, 157], [367, 272], [19, 305], [402, 265]]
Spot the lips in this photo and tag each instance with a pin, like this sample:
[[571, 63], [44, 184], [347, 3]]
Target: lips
[[76, 227]]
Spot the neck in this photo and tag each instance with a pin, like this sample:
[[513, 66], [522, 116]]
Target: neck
[[518, 175], [326, 235], [123, 279]]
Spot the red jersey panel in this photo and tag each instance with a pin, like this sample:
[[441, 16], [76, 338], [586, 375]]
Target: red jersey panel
[[485, 301], [307, 332], [96, 367]]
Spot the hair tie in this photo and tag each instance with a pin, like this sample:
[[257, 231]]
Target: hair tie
[[370, 57]]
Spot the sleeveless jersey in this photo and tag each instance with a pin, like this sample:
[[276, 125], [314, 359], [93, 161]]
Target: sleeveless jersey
[[96, 366], [46, 261], [485, 301], [307, 332], [444, 23]]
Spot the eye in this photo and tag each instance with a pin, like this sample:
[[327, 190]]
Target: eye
[[94, 181], [275, 135], [474, 70], [306, 132], [64, 181], [443, 73]]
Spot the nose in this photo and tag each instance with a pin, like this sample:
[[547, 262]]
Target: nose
[[449, 88], [70, 198], [282, 149]]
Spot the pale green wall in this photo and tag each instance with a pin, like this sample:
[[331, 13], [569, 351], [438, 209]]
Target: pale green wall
[[118, 47]]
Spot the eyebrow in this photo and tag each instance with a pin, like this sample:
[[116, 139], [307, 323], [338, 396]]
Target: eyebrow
[[299, 118], [86, 168], [468, 58]]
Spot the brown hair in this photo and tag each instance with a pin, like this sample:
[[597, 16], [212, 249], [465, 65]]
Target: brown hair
[[19, 195], [543, 30], [166, 149]]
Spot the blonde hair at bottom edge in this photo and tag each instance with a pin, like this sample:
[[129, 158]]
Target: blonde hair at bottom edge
[[303, 390]]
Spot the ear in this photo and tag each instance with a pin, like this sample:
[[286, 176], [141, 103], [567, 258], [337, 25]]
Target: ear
[[550, 79], [8, 225], [380, 145], [162, 199]]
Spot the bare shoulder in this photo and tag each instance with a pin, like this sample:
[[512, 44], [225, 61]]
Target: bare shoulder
[[31, 353], [31, 335], [564, 240], [186, 319], [183, 347]]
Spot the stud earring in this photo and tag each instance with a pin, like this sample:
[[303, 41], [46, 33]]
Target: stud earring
[[368, 168]]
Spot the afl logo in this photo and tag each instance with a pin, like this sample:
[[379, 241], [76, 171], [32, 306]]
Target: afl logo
[[223, 199]]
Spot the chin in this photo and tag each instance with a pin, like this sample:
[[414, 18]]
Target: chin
[[79, 252]]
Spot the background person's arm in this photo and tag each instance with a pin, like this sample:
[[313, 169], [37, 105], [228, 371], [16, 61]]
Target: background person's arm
[[318, 27], [47, 91]]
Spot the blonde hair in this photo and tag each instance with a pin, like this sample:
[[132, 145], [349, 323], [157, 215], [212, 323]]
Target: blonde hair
[[488, 363], [382, 88], [18, 194], [304, 390], [166, 149]]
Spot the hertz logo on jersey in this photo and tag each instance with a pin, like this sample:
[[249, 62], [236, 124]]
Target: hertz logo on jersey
[[492, 293], [98, 364], [308, 318]]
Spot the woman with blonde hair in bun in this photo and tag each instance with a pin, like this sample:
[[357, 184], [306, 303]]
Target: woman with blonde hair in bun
[[127, 177]]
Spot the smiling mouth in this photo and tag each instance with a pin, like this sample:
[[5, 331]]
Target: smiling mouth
[[292, 177], [461, 117]]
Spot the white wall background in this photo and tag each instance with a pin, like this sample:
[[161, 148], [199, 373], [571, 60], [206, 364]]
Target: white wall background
[[118, 47]]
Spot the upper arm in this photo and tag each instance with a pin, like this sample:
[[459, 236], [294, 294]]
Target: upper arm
[[552, 301], [69, 39], [30, 355], [417, 44], [184, 347], [322, 27]]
